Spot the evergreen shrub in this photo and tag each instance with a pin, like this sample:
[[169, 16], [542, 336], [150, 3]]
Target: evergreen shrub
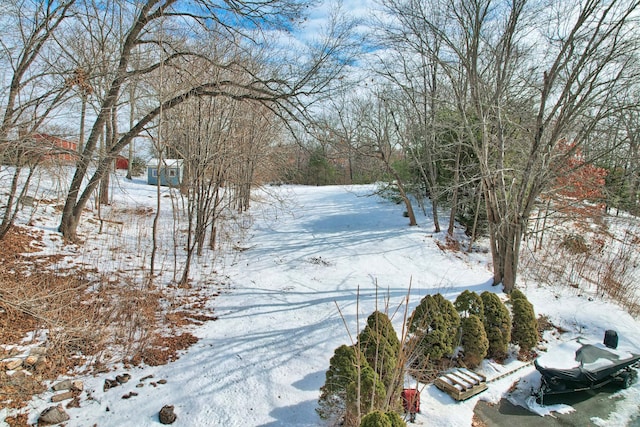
[[524, 330], [382, 419], [468, 303], [497, 325], [434, 326], [474, 341], [381, 346], [376, 419]]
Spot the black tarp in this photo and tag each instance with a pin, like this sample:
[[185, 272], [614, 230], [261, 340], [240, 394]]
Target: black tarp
[[591, 364]]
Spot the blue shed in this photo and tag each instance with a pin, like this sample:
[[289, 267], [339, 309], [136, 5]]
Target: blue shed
[[170, 175]]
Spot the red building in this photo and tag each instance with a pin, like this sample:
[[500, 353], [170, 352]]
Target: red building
[[56, 149], [122, 162]]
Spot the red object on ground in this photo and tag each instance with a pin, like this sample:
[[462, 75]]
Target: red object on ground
[[411, 400]]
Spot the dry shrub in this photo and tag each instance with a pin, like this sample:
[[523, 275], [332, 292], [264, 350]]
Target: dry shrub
[[599, 261], [137, 211], [74, 322], [18, 421], [184, 318], [618, 283], [53, 304], [545, 324], [422, 368], [131, 313], [164, 349], [575, 244], [101, 320], [450, 244], [17, 389]]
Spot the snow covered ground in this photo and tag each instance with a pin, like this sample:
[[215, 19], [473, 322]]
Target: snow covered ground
[[318, 252]]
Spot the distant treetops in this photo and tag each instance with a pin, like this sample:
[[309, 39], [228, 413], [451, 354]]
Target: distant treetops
[[364, 381]]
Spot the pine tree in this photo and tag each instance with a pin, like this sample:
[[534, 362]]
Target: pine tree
[[516, 294], [382, 419], [333, 394], [434, 325], [497, 325], [376, 419], [381, 346], [341, 392], [524, 330], [468, 303], [396, 419], [372, 393], [474, 341]]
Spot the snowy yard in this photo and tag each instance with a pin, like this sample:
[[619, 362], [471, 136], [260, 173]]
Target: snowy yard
[[325, 250]]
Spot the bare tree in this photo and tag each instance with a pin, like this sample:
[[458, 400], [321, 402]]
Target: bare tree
[[412, 66], [535, 75], [384, 136], [279, 88], [34, 91], [222, 142]]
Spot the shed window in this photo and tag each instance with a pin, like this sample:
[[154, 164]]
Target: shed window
[[154, 173], [172, 173]]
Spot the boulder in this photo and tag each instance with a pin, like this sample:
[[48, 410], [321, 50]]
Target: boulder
[[62, 396], [167, 416], [53, 415], [62, 385], [109, 383], [12, 364], [31, 360], [124, 378]]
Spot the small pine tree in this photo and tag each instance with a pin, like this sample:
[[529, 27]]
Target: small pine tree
[[452, 318], [396, 419], [434, 324], [468, 303], [524, 330], [382, 419], [333, 394], [372, 393], [339, 395], [376, 419], [516, 294], [497, 324], [474, 341], [381, 346]]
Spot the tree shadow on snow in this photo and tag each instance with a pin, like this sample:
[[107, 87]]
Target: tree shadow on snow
[[300, 414]]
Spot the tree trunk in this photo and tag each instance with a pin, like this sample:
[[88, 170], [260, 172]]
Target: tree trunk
[[132, 96], [407, 203], [103, 193], [83, 114], [454, 198], [13, 203]]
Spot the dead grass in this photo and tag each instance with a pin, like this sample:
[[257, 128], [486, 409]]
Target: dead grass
[[449, 245], [164, 349], [89, 321], [599, 262], [18, 421]]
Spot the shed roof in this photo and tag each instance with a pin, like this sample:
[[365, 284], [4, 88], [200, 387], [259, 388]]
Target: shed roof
[[166, 162]]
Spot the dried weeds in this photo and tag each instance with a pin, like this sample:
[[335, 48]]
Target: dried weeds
[[88, 320]]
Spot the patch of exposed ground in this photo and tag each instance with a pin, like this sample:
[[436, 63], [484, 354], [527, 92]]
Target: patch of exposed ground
[[78, 323]]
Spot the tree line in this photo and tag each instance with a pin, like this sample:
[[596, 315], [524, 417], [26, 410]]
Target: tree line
[[201, 80], [493, 109], [489, 108]]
